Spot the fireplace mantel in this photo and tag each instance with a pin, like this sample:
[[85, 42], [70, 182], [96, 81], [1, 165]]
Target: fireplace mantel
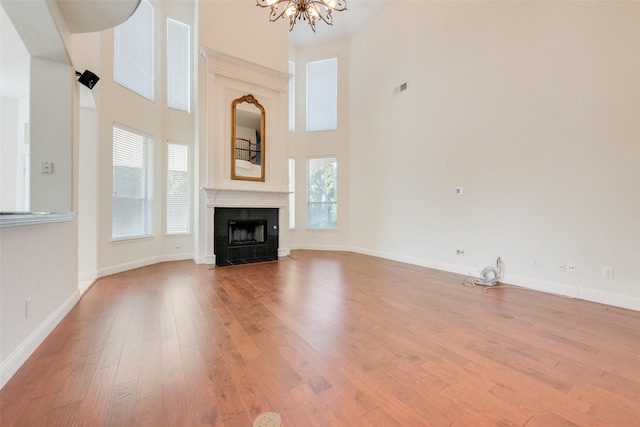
[[229, 78]]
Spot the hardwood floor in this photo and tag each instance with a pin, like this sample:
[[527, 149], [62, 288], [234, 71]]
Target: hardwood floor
[[327, 339]]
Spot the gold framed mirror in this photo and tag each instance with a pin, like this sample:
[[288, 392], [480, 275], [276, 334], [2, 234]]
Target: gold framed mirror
[[247, 139]]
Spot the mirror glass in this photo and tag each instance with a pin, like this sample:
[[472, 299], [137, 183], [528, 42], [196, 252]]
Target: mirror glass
[[247, 139]]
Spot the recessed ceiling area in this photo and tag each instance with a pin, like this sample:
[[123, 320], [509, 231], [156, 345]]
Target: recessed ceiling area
[[345, 24]]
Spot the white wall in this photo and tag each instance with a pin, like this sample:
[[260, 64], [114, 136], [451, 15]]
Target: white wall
[[37, 262], [51, 135], [304, 145], [116, 104], [533, 108], [40, 261]]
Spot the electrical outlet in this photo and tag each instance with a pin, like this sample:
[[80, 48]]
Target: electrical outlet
[[460, 252], [459, 191], [607, 273], [46, 167], [27, 308], [571, 268], [562, 267]]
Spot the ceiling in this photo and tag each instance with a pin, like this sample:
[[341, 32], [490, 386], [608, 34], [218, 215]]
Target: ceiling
[[345, 24]]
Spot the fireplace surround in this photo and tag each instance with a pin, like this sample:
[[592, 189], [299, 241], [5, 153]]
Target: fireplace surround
[[245, 235]]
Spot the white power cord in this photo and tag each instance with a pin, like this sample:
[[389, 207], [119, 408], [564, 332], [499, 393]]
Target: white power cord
[[490, 275]]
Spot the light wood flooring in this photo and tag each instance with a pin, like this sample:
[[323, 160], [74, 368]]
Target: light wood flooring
[[327, 339]]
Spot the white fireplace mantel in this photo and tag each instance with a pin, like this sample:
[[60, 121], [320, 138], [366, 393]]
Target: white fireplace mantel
[[217, 197], [228, 78]]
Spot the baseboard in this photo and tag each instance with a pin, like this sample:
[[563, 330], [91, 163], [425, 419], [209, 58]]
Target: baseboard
[[20, 355], [321, 248], [119, 268], [563, 289], [573, 291]]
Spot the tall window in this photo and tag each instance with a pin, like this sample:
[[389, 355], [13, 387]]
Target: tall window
[[292, 96], [292, 195], [322, 193], [132, 202], [178, 191], [322, 95], [133, 51], [178, 81]]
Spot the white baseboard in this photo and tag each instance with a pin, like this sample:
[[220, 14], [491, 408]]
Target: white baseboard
[[20, 355], [564, 289], [573, 291], [321, 248], [119, 268]]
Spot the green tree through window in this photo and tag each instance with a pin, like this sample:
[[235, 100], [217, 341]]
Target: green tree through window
[[322, 193]]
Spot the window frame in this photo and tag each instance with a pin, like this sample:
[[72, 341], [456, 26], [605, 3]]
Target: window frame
[[148, 200], [176, 104], [329, 159], [292, 193], [292, 96], [311, 95], [189, 163]]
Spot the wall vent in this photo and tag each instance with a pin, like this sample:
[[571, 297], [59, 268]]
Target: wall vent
[[401, 88]]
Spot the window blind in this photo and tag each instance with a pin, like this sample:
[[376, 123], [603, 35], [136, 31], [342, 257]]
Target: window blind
[[292, 195], [178, 196], [132, 184], [292, 96], [178, 78], [133, 52], [322, 95]]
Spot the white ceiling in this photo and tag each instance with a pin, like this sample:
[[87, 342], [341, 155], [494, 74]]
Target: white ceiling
[[15, 83], [345, 24]]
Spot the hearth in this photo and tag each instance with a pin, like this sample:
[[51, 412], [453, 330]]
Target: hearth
[[245, 235]]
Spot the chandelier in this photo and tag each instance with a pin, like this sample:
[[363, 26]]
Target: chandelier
[[306, 9]]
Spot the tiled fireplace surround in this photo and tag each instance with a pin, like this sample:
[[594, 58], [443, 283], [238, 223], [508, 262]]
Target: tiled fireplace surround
[[229, 78]]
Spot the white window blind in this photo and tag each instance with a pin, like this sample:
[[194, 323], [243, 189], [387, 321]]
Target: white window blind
[[292, 96], [132, 202], [322, 95], [292, 195], [133, 52], [178, 192], [178, 77]]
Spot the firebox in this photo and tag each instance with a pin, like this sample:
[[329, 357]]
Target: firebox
[[247, 232], [245, 235]]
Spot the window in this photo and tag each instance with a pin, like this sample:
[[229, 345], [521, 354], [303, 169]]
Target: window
[[292, 96], [132, 184], [322, 193], [178, 81], [133, 52], [322, 95], [178, 191], [292, 195]]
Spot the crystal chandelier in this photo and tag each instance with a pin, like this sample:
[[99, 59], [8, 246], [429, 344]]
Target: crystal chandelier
[[306, 9]]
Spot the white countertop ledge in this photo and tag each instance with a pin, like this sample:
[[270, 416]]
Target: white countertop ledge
[[19, 219]]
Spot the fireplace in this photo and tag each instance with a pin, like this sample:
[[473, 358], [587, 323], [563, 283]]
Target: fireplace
[[245, 235]]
